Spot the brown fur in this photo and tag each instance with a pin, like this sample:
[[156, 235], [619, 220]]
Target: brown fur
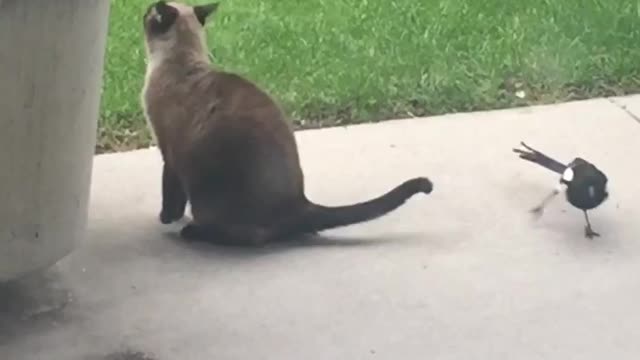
[[227, 146]]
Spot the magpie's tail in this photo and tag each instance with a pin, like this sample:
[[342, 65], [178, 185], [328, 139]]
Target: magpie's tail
[[539, 158]]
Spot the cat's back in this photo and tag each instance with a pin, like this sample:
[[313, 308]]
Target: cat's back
[[239, 93], [203, 103]]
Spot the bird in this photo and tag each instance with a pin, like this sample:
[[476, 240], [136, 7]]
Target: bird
[[585, 185]]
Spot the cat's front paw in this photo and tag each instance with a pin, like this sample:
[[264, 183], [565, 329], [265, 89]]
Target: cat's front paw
[[167, 217]]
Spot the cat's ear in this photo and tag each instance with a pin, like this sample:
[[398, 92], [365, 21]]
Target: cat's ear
[[202, 12], [162, 17]]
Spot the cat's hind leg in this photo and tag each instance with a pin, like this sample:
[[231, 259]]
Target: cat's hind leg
[[174, 198], [231, 235]]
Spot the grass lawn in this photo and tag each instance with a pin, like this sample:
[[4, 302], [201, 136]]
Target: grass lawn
[[347, 61]]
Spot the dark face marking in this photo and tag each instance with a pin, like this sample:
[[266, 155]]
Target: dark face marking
[[203, 11], [160, 22]]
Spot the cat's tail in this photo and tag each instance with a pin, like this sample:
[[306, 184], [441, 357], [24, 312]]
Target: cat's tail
[[318, 217], [539, 158]]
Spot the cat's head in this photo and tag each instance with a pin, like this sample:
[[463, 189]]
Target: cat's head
[[173, 26]]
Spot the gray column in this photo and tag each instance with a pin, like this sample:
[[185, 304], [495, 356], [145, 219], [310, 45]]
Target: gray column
[[51, 64]]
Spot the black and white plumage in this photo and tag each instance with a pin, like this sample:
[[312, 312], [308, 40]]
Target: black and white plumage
[[585, 185]]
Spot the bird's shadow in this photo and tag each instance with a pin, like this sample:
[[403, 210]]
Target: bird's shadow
[[568, 227], [527, 193]]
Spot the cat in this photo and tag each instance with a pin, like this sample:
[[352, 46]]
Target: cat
[[227, 146]]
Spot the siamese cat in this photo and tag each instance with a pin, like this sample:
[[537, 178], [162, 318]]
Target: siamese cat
[[227, 146]]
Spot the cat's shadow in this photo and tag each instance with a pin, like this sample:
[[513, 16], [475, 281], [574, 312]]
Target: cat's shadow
[[296, 243], [293, 243]]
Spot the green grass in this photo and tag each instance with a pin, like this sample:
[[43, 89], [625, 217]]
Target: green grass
[[347, 61]]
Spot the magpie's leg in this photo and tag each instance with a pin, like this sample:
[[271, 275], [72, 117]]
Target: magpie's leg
[[588, 231], [538, 210]]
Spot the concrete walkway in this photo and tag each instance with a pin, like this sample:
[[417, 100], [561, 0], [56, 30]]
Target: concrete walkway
[[464, 273]]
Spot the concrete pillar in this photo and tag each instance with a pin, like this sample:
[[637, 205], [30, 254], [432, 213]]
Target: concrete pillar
[[51, 64]]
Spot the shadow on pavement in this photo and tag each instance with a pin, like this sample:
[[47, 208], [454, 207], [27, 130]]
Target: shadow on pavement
[[32, 304]]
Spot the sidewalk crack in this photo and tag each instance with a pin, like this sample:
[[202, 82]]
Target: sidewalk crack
[[625, 109]]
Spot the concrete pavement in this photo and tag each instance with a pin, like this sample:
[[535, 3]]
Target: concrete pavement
[[463, 273]]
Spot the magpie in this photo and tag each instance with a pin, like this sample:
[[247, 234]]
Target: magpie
[[585, 185]]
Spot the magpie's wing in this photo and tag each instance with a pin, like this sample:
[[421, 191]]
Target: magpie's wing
[[584, 168], [539, 158], [580, 161]]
